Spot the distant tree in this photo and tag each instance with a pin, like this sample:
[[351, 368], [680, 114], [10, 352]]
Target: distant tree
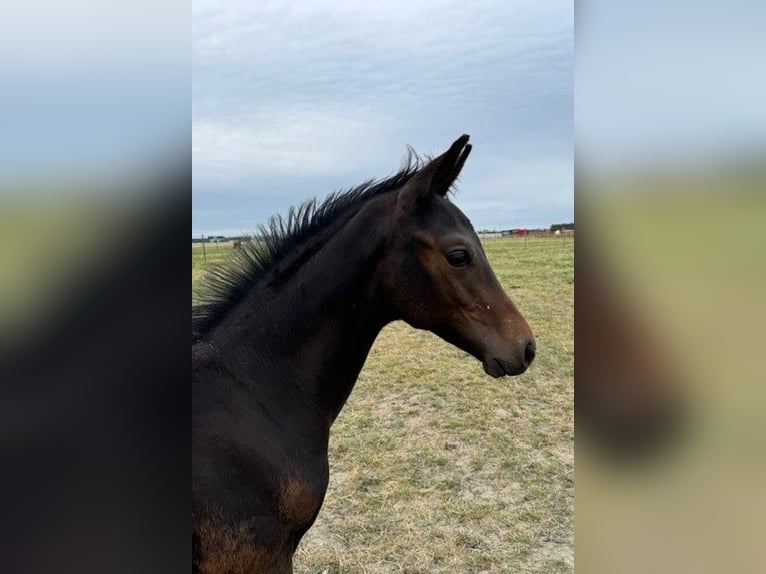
[[562, 226]]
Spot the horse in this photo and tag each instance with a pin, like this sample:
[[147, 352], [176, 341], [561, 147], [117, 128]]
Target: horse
[[280, 334]]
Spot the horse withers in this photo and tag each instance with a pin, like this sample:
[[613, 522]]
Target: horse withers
[[281, 333]]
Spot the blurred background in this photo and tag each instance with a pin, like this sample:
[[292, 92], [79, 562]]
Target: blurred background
[[670, 178], [94, 114], [95, 180]]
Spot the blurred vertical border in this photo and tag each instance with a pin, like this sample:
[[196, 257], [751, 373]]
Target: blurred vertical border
[[670, 131], [95, 203]]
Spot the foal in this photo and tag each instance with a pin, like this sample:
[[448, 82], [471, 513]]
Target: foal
[[283, 332]]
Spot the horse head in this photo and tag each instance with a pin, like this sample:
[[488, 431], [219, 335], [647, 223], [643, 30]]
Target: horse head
[[436, 275]]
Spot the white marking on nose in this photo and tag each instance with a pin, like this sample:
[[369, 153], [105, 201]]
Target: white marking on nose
[[487, 307]]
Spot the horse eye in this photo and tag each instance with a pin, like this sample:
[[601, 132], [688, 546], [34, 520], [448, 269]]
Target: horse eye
[[458, 258]]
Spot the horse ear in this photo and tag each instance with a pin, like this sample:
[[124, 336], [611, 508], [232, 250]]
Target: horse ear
[[436, 177]]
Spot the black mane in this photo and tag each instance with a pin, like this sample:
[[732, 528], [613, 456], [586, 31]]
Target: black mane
[[224, 285]]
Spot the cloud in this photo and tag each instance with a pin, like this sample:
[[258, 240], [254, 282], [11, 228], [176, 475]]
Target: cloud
[[291, 97], [283, 141]]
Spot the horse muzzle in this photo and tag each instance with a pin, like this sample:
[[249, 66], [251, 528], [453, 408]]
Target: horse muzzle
[[498, 366]]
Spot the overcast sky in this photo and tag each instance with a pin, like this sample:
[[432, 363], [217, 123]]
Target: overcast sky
[[663, 84], [296, 100]]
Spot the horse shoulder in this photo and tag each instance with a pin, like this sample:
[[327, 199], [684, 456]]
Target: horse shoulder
[[300, 499]]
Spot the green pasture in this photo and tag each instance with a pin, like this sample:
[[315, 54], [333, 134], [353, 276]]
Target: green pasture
[[436, 467]]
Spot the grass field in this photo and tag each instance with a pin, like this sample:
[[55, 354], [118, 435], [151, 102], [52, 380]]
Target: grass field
[[436, 467]]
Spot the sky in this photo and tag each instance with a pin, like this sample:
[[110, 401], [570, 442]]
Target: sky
[[669, 84], [292, 100], [92, 91], [297, 100]]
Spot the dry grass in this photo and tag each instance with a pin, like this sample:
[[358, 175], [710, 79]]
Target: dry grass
[[435, 467]]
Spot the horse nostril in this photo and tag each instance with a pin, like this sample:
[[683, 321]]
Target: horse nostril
[[529, 351]]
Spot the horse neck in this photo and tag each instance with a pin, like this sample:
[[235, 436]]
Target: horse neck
[[315, 331]]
